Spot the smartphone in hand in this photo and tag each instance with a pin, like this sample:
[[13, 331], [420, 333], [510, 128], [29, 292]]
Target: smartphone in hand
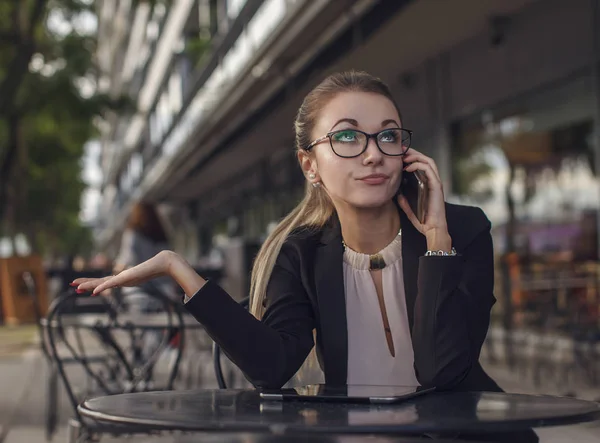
[[414, 187]]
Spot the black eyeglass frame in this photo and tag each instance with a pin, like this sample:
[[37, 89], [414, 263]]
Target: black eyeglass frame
[[366, 134]]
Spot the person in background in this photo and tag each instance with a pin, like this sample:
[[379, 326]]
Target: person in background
[[100, 262], [143, 238]]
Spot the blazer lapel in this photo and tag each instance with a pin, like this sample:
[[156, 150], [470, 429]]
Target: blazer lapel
[[329, 280], [414, 246]]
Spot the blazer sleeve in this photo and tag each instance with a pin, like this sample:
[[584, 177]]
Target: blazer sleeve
[[452, 312], [268, 351]]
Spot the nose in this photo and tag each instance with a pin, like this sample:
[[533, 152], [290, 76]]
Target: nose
[[372, 154]]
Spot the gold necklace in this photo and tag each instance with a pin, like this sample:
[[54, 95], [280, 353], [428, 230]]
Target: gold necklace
[[376, 261]]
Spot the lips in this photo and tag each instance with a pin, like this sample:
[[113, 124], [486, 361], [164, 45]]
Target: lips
[[374, 179]]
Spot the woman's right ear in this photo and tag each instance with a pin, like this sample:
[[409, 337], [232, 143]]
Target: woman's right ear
[[306, 163]]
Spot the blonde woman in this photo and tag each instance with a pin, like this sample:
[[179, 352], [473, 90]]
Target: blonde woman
[[393, 301]]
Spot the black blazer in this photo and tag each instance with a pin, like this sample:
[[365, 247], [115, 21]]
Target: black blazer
[[448, 299]]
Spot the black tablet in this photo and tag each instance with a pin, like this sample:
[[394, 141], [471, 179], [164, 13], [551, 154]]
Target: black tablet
[[348, 394]]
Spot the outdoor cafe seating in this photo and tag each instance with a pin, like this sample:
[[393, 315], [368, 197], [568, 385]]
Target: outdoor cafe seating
[[110, 359]]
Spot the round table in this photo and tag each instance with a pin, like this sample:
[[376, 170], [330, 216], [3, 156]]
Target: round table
[[237, 410]]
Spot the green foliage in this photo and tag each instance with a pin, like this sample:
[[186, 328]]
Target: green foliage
[[196, 48], [41, 192]]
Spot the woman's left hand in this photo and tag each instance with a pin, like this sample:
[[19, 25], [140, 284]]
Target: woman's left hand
[[435, 227]]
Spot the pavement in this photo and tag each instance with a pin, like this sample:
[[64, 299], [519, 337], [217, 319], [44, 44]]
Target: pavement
[[24, 372], [14, 340]]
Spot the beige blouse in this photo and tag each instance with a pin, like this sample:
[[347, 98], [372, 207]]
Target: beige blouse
[[370, 361]]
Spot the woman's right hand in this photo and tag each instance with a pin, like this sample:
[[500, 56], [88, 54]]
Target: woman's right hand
[[158, 266]]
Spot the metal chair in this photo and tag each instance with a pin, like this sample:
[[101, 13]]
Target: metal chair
[[52, 387], [52, 393], [216, 351], [128, 348]]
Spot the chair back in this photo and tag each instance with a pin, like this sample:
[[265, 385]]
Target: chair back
[[117, 348]]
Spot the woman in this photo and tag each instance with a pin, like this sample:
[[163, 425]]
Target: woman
[[392, 300], [143, 238]]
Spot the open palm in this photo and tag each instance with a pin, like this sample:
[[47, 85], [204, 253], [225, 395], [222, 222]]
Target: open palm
[[155, 267]]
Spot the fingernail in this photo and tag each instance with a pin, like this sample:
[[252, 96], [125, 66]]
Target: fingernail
[[79, 291], [73, 284]]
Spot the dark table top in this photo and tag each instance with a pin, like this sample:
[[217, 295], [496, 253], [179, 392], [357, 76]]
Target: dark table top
[[244, 410]]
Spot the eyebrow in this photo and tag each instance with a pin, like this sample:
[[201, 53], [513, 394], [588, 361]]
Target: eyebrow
[[347, 120], [355, 123], [388, 122]]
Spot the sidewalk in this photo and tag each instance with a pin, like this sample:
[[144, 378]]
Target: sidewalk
[[24, 371], [23, 403], [513, 382], [15, 339]]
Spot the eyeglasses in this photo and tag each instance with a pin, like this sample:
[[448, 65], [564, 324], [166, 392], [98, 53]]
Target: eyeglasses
[[349, 143]]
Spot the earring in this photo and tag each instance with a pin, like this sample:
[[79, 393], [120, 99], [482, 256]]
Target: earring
[[312, 176], [316, 185]]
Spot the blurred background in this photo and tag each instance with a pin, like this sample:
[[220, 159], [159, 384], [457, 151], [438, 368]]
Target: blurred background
[[188, 106]]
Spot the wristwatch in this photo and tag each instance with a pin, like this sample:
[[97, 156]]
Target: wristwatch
[[451, 253]]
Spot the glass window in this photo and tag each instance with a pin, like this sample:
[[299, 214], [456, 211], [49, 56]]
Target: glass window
[[530, 165]]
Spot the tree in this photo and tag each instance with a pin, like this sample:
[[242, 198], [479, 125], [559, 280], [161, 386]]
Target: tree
[[48, 104]]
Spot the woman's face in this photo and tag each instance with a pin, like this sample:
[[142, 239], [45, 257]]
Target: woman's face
[[369, 180]]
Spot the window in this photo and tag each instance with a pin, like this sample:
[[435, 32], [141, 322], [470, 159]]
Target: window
[[531, 166]]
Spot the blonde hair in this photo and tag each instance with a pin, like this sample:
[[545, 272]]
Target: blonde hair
[[312, 212], [316, 208]]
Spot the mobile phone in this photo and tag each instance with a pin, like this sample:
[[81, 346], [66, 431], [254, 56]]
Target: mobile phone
[[414, 187]]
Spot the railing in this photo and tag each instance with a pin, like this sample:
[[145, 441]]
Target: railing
[[191, 80], [230, 55], [133, 86]]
